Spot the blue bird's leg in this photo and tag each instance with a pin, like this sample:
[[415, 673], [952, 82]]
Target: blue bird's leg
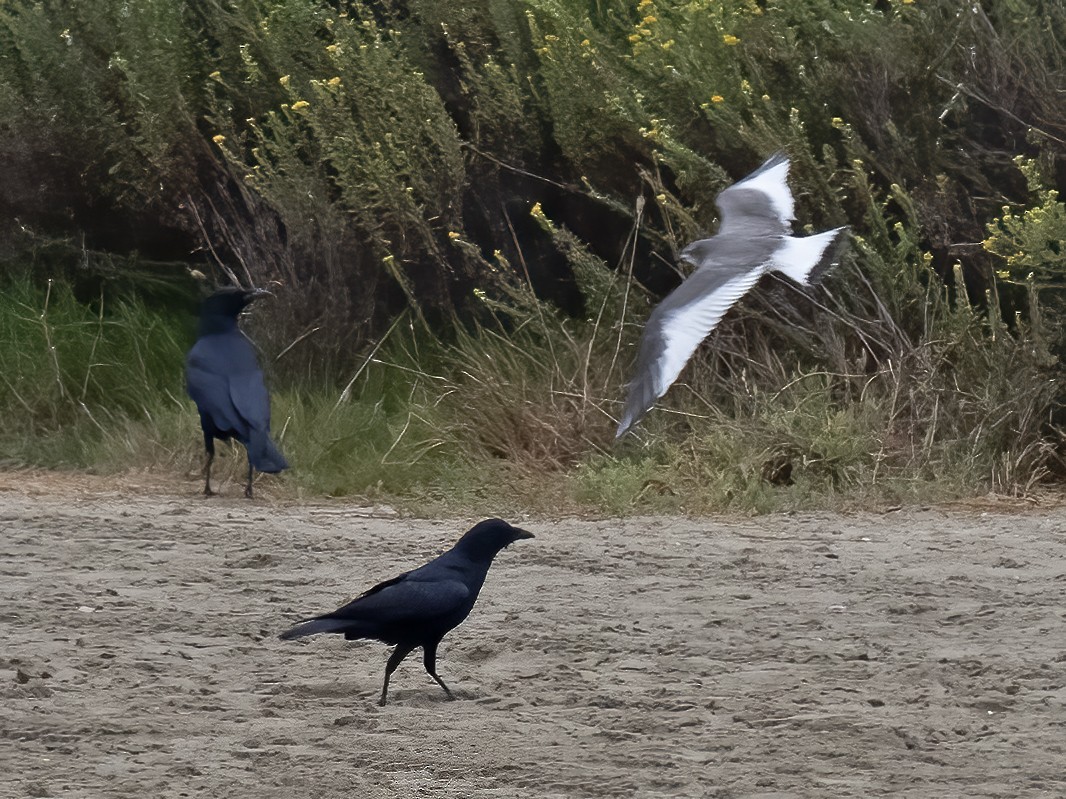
[[429, 660], [248, 487], [209, 445], [398, 654]]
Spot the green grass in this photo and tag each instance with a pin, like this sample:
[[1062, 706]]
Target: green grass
[[517, 414], [82, 383]]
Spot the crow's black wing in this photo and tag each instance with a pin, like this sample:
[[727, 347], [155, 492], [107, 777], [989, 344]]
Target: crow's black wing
[[404, 600]]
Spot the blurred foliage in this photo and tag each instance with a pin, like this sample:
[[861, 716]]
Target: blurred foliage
[[517, 177], [369, 155]]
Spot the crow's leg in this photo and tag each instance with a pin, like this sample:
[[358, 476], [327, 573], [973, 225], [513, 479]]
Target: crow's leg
[[209, 446], [248, 486], [399, 653], [429, 660]]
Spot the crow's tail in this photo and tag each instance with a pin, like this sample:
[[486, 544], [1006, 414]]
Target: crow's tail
[[264, 454], [314, 626]]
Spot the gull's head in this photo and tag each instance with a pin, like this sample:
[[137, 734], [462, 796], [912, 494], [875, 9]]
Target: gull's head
[[697, 252]]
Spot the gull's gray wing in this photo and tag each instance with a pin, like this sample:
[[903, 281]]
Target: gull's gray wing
[[759, 204], [754, 236], [676, 327]]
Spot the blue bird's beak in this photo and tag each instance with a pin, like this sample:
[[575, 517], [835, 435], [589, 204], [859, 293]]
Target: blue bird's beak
[[251, 295]]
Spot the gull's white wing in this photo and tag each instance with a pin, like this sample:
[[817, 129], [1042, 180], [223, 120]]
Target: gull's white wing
[[759, 204], [676, 327]]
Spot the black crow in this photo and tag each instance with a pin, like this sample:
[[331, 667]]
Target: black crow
[[226, 383], [419, 607], [754, 237]]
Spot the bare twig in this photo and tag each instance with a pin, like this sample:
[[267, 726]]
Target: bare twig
[[347, 392]]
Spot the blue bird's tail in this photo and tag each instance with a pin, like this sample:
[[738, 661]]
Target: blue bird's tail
[[264, 454]]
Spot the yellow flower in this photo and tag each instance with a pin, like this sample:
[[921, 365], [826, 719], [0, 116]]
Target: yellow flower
[[837, 123], [452, 235], [216, 75], [334, 82], [667, 44], [1003, 274], [649, 20], [585, 43], [536, 211], [300, 105], [730, 39], [218, 139], [284, 81], [332, 48], [643, 4], [634, 37], [717, 99]]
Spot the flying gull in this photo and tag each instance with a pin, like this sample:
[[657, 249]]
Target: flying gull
[[754, 237]]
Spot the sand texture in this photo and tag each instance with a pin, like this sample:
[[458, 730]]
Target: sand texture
[[915, 653]]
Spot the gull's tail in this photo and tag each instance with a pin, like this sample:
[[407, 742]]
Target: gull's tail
[[806, 258]]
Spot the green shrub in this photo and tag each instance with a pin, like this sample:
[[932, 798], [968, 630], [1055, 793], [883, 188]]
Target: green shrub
[[513, 181]]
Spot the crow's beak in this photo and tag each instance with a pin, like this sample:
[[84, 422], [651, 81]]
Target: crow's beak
[[519, 534]]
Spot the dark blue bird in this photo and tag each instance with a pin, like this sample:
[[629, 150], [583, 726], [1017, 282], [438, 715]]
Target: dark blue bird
[[420, 607], [226, 383]]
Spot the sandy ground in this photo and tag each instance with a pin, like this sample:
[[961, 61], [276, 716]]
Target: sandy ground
[[916, 653]]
